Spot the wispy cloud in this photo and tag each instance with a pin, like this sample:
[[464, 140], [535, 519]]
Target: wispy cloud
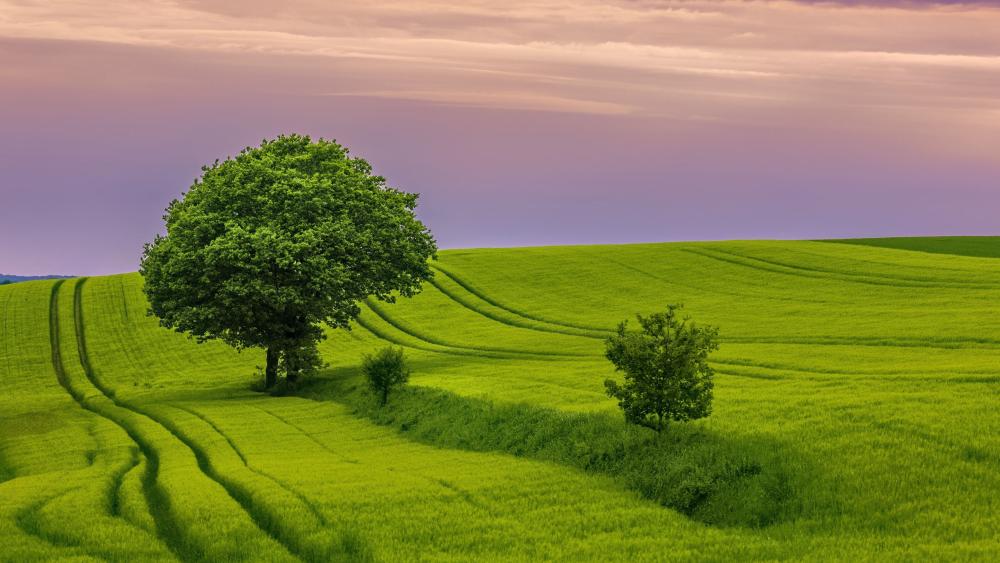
[[697, 58], [529, 101], [533, 122]]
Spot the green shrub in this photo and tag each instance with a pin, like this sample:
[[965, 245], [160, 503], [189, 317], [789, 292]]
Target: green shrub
[[384, 370], [667, 376]]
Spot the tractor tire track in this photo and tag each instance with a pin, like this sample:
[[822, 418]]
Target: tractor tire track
[[873, 275], [310, 505], [156, 499], [114, 490], [801, 272], [471, 289], [820, 341], [377, 310], [878, 342], [266, 522], [27, 521], [460, 493], [308, 436], [717, 291], [437, 348], [720, 362], [383, 335], [519, 321], [902, 342]]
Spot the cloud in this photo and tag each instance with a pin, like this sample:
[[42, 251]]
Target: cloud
[[559, 118], [525, 101], [728, 60]]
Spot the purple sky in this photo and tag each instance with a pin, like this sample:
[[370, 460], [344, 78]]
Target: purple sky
[[541, 123]]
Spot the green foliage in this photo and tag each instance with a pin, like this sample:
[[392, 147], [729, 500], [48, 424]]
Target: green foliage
[[710, 478], [866, 396], [300, 361], [667, 376], [385, 370], [268, 245]]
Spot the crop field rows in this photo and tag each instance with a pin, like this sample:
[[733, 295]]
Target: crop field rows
[[855, 418]]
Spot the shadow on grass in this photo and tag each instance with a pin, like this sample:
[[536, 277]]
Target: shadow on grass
[[711, 478]]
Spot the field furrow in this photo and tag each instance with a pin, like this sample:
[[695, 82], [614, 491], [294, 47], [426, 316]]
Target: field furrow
[[422, 336], [318, 519], [823, 274], [854, 418], [485, 305], [176, 523], [79, 395]]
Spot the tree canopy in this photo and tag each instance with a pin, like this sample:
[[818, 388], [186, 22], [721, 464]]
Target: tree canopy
[[267, 246], [665, 367]]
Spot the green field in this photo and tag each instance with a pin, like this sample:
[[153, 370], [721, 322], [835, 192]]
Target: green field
[[985, 247], [856, 417]]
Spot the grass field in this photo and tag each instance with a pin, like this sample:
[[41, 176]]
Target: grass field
[[986, 247], [855, 417]]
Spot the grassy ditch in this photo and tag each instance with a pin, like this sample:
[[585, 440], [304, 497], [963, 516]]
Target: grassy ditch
[[711, 478]]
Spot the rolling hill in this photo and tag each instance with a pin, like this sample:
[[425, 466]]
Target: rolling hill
[[13, 279], [855, 417]]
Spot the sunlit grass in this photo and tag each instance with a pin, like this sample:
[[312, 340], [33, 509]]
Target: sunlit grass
[[864, 380]]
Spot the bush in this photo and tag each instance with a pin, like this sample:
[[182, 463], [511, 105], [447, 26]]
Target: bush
[[384, 370], [665, 363]]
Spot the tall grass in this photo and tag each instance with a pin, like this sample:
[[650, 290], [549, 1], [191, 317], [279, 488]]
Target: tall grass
[[855, 418], [690, 469]]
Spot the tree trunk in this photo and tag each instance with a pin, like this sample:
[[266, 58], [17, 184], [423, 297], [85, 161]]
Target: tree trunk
[[271, 371]]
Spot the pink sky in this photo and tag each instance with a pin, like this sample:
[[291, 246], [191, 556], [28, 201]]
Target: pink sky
[[519, 122]]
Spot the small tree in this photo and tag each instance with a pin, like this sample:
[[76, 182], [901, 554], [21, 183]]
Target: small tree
[[667, 376], [268, 246], [384, 370]]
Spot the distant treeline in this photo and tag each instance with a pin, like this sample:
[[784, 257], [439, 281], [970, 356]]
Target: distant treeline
[[6, 279]]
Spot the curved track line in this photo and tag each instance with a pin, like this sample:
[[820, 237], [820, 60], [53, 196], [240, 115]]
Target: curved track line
[[471, 289], [309, 436], [377, 310], [778, 268], [714, 290], [427, 346], [716, 362], [876, 342], [816, 341], [155, 497], [881, 276], [235, 491], [27, 521], [239, 453], [116, 492], [118, 477], [904, 342], [518, 320]]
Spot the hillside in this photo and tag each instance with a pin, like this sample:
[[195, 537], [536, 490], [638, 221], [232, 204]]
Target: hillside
[[855, 417], [8, 278], [987, 247]]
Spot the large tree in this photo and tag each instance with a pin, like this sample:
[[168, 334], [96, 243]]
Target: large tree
[[266, 247], [665, 364]]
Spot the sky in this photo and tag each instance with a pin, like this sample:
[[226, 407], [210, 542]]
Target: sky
[[518, 122]]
